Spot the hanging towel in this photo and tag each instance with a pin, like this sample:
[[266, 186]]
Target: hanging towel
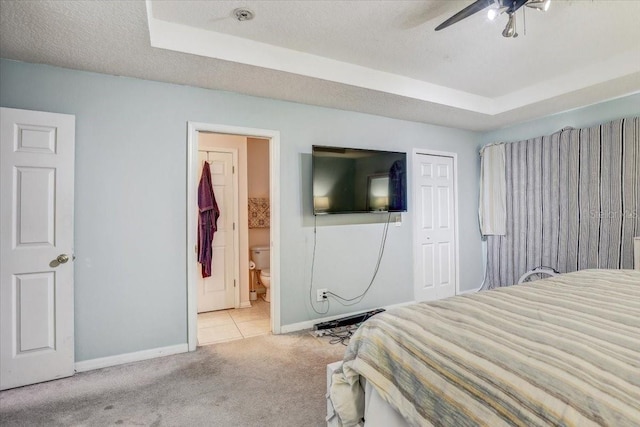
[[493, 199], [207, 220]]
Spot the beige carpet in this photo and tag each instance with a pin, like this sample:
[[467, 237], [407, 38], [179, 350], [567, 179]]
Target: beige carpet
[[270, 380]]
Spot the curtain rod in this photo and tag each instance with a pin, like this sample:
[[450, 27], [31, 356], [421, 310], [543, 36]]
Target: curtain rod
[[564, 129]]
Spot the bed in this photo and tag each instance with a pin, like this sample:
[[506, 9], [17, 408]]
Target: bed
[[559, 351]]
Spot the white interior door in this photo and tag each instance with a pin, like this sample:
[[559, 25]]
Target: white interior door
[[217, 292], [36, 247], [435, 250]]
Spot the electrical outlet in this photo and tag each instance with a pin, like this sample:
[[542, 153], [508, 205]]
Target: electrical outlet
[[322, 295]]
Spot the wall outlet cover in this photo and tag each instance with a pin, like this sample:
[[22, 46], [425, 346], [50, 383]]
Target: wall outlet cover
[[321, 295]]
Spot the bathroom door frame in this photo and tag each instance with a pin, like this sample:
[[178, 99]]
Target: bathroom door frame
[[193, 128]]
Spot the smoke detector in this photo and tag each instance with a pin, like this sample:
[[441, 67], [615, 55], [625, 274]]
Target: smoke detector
[[243, 14]]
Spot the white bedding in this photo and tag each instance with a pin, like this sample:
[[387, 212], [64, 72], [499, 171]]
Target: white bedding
[[561, 351]]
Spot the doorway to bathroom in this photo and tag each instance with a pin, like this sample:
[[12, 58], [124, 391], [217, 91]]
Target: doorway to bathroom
[[218, 290], [255, 223]]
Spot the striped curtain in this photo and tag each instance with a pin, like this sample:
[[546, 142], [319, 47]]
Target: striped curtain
[[573, 202]]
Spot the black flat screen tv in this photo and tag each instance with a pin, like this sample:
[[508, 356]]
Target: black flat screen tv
[[353, 180]]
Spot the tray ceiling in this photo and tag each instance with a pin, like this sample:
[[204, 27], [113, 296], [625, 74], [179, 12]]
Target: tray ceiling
[[379, 57]]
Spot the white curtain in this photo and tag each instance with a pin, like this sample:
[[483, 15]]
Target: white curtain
[[493, 205], [572, 202]]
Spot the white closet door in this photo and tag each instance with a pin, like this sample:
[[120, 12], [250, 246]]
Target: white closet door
[[435, 268]]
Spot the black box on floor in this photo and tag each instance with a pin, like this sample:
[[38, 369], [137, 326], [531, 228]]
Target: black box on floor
[[345, 321]]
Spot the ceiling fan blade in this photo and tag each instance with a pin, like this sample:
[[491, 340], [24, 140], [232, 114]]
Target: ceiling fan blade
[[475, 7], [517, 4]]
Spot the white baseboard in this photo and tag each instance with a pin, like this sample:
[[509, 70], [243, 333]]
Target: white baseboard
[[308, 324], [105, 362], [245, 304]]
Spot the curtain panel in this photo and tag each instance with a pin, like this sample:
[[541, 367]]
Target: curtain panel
[[572, 202]]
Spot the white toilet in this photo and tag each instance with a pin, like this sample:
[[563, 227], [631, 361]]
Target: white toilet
[[260, 255]]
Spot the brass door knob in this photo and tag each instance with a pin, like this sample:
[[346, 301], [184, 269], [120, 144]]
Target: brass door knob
[[62, 258]]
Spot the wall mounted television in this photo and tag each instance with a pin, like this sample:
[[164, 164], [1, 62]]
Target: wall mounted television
[[353, 180]]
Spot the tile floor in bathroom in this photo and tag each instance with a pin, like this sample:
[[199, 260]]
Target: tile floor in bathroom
[[227, 325]]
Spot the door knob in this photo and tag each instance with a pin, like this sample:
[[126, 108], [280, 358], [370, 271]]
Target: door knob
[[62, 258]]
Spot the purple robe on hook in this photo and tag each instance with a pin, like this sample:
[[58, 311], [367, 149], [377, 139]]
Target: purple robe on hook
[[207, 220]]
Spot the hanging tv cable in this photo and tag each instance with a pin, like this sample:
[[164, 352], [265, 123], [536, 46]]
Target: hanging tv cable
[[313, 262], [340, 299], [357, 299]]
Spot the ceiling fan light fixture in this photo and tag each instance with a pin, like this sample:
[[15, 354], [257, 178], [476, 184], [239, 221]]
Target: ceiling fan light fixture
[[510, 29], [494, 9], [494, 12], [541, 5]]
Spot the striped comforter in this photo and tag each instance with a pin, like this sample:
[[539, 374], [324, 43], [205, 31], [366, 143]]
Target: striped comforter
[[560, 351]]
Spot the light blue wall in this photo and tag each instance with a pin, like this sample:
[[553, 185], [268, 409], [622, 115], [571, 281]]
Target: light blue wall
[[130, 272], [582, 117]]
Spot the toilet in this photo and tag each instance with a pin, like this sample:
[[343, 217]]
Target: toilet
[[260, 255]]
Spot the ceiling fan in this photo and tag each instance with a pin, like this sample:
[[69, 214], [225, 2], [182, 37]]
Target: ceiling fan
[[497, 7]]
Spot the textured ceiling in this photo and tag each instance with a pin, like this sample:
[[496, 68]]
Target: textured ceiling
[[379, 57]]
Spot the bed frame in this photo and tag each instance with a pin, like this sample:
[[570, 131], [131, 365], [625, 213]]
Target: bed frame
[[378, 412]]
